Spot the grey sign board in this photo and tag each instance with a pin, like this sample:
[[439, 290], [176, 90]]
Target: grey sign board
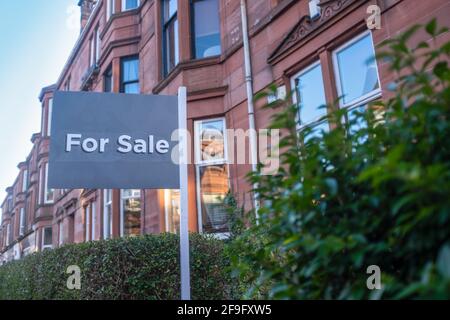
[[113, 141]]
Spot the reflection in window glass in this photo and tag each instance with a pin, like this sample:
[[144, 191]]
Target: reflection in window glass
[[47, 238], [206, 28], [357, 74], [131, 212], [212, 140], [213, 189], [311, 95]]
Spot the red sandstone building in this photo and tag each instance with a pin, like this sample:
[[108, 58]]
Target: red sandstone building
[[317, 48]]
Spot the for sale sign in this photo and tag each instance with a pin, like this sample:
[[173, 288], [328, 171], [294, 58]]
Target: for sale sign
[[108, 141]]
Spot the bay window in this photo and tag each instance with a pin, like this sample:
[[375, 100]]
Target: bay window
[[170, 35], [130, 212], [212, 175], [129, 74], [206, 28], [107, 214]]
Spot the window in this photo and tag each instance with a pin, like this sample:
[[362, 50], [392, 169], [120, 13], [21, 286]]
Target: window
[[49, 116], [206, 28], [60, 233], [314, 9], [87, 223], [108, 80], [129, 4], [310, 96], [172, 210], [110, 8], [23, 222], [107, 214], [41, 184], [93, 220], [24, 180], [92, 51], [47, 238], [212, 175], [130, 212], [170, 35], [8, 234], [356, 77], [67, 85], [129, 75], [97, 45], [49, 193]]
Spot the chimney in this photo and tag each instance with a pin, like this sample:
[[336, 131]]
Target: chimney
[[86, 7]]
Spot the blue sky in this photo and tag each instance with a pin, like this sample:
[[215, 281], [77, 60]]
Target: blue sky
[[36, 39]]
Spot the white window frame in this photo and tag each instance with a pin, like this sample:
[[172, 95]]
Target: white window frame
[[124, 5], [205, 163], [25, 180], [300, 125], [22, 222], [46, 199], [198, 158], [370, 96], [106, 223], [122, 198], [110, 8], [49, 116], [43, 245]]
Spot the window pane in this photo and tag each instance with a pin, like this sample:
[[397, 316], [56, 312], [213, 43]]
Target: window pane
[[131, 4], [357, 76], [108, 80], [47, 236], [170, 8], [130, 70], [213, 189], [212, 140], [173, 211], [131, 216], [311, 95], [132, 88], [206, 28], [172, 46]]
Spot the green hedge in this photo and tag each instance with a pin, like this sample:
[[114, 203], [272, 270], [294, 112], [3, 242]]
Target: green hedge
[[129, 268]]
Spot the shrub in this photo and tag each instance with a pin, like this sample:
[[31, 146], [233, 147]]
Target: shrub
[[347, 200], [144, 267]]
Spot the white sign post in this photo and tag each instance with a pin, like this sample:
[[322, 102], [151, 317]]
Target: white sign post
[[184, 213]]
